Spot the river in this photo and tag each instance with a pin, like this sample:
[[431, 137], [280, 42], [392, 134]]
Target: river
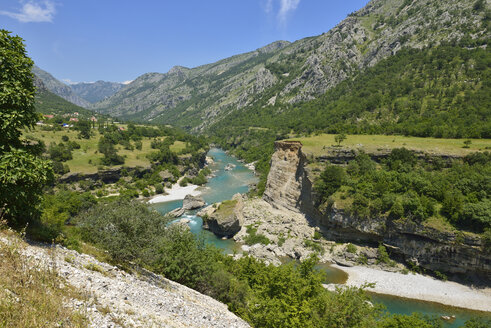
[[225, 184]]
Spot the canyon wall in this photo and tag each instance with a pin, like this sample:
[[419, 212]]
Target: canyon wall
[[289, 185]]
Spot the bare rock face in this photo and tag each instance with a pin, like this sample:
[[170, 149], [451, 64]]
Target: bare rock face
[[227, 220], [286, 178], [191, 202], [166, 175]]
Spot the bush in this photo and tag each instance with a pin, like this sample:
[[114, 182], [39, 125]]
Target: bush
[[383, 256], [128, 230], [254, 237], [159, 188], [350, 248], [316, 247], [330, 180]]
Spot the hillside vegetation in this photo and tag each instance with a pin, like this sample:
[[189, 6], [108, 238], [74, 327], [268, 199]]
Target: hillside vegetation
[[47, 102], [319, 145], [285, 73], [433, 92]]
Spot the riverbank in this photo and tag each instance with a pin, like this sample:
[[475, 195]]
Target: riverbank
[[177, 192], [420, 287]]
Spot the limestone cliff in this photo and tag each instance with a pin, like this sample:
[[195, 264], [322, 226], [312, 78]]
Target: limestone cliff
[[289, 186]]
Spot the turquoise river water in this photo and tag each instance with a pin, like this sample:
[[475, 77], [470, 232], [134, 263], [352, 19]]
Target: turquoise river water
[[225, 184]]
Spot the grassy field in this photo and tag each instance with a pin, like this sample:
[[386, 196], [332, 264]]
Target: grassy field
[[86, 159], [177, 146], [319, 145]]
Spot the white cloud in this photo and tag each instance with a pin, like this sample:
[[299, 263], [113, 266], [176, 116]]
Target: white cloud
[[286, 6], [33, 11], [127, 82]]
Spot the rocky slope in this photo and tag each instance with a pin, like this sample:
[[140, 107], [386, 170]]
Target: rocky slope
[[96, 91], [290, 186], [59, 88], [49, 103], [283, 73], [115, 298]]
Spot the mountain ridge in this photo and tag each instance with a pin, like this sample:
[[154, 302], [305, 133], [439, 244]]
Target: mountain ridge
[[58, 88], [288, 73]]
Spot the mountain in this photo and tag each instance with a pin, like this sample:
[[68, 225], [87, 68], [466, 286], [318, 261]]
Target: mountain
[[47, 102], [59, 88], [96, 91], [181, 89], [282, 73]]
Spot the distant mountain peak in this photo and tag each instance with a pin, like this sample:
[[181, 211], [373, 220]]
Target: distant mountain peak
[[59, 88]]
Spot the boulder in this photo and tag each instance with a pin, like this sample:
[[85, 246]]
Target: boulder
[[177, 212], [227, 220], [166, 175], [230, 167], [191, 202], [182, 223]]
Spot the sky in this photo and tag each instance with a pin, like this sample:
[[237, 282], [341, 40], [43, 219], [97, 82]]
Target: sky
[[119, 40]]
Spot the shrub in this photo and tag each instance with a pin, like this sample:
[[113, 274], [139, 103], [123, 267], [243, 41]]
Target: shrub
[[330, 180], [254, 237], [128, 230], [350, 248], [383, 256], [316, 247], [159, 189]]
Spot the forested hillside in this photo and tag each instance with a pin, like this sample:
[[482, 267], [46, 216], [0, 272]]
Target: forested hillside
[[439, 91], [49, 103]]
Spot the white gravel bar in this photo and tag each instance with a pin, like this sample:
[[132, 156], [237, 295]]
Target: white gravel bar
[[420, 287], [176, 193]]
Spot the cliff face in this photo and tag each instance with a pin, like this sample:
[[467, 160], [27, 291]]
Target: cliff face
[[289, 186]]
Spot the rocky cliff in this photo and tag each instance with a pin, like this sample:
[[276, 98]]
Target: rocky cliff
[[289, 185]]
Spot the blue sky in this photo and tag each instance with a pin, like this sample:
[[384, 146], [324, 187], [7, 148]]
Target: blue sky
[[118, 40]]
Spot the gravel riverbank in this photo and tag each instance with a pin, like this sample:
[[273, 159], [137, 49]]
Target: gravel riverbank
[[420, 287]]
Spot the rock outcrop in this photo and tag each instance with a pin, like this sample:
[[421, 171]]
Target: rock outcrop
[[289, 186], [190, 202], [227, 219]]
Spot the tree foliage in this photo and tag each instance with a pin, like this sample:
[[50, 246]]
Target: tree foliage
[[22, 172], [416, 189]]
